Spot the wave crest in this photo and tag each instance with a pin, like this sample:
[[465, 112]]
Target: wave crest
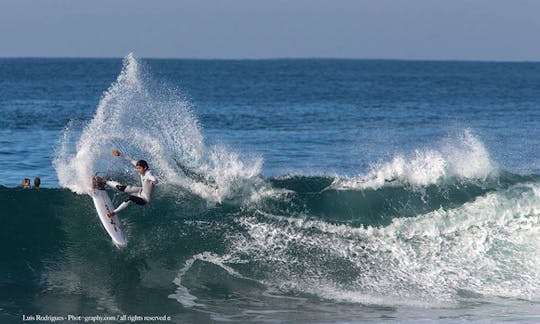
[[463, 158]]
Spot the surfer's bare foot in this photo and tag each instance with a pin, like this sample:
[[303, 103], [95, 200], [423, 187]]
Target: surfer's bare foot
[[99, 180], [111, 214]]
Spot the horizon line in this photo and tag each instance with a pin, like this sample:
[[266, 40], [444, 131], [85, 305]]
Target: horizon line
[[277, 58]]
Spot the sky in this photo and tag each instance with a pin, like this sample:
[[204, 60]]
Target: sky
[[488, 30]]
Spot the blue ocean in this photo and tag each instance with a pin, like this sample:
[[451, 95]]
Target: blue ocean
[[291, 190]]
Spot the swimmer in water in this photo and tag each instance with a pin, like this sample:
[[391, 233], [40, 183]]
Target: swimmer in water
[[139, 195], [25, 183]]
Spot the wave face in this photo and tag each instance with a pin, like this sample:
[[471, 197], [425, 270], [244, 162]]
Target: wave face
[[306, 246], [440, 232]]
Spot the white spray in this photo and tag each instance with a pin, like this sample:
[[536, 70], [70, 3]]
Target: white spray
[[154, 122], [463, 158]]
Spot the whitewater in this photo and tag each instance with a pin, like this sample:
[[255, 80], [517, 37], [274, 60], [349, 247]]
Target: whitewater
[[441, 230], [151, 121]]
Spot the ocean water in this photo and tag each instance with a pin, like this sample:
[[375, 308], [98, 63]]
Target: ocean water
[[310, 190]]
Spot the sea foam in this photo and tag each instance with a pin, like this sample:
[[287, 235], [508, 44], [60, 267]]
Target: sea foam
[[486, 247]]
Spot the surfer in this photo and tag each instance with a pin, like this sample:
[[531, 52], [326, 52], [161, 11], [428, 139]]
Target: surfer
[[139, 195]]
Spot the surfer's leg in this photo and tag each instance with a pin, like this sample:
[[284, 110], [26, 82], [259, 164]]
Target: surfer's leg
[[137, 200], [132, 189], [121, 187], [116, 185], [119, 208]]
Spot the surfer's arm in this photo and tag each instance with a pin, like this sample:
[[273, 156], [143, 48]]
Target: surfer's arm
[[153, 180], [130, 160], [127, 157]]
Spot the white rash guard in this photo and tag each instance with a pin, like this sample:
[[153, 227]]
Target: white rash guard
[[144, 192]]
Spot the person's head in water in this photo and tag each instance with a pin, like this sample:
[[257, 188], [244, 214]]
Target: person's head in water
[[141, 166], [25, 183], [37, 182]]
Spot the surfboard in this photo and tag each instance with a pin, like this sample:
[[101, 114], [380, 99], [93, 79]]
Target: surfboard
[[103, 205]]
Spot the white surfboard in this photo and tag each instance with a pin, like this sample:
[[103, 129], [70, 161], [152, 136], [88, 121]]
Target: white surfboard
[[112, 224]]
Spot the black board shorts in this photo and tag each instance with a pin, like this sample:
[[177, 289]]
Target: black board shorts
[[137, 200]]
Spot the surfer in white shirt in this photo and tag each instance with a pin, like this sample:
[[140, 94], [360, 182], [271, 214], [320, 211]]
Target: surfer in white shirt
[[139, 195]]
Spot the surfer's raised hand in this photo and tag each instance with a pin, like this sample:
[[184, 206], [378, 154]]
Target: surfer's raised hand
[[118, 153]]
